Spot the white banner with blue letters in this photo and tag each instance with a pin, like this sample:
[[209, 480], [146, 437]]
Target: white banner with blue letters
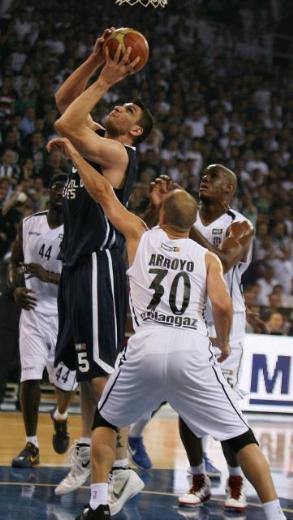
[[267, 374]]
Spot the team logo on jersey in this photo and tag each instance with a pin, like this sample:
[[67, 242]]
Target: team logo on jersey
[[184, 322], [71, 187], [170, 249], [216, 231]]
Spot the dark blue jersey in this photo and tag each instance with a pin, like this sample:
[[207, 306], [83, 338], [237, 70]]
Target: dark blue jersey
[[86, 228]]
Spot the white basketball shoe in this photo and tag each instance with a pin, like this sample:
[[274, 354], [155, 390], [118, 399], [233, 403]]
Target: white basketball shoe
[[79, 472], [199, 492], [236, 496], [125, 484]]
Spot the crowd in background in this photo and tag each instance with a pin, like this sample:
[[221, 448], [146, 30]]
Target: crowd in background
[[218, 93]]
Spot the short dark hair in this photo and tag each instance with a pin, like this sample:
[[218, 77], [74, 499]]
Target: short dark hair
[[146, 121], [180, 210]]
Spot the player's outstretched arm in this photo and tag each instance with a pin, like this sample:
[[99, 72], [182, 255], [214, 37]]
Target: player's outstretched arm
[[159, 188], [100, 189], [74, 121], [235, 246], [221, 303], [77, 82]]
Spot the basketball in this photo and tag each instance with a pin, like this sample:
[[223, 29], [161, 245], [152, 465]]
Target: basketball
[[127, 37]]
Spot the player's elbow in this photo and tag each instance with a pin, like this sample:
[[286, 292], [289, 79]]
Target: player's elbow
[[59, 102], [62, 127]]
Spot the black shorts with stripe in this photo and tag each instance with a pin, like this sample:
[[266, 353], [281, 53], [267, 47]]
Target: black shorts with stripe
[[92, 304]]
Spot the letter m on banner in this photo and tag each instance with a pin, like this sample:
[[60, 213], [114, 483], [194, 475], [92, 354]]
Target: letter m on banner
[[260, 369]]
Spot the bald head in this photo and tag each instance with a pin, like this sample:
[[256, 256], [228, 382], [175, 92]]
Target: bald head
[[179, 210]]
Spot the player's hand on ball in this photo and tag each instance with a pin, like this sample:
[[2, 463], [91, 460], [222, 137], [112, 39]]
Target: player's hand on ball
[[97, 53], [98, 46], [119, 67], [25, 298]]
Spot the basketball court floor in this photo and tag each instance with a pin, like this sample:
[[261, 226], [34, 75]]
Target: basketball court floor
[[29, 494]]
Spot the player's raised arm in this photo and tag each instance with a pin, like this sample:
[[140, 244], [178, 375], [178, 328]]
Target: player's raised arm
[[100, 189], [74, 123], [221, 303], [77, 82]]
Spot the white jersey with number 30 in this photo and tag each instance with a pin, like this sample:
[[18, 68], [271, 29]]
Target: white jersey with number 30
[[168, 282], [41, 245]]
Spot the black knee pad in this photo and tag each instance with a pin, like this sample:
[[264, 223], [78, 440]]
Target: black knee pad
[[237, 443], [99, 421]]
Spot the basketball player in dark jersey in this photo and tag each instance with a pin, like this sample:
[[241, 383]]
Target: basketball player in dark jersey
[[92, 296]]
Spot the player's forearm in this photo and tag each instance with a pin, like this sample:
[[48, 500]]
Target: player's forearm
[[76, 114], [231, 252], [201, 240], [95, 183], [151, 215], [53, 278], [77, 82], [222, 316], [13, 276]]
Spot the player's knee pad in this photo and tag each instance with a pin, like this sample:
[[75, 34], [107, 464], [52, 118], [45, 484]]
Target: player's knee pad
[[99, 421], [237, 443]]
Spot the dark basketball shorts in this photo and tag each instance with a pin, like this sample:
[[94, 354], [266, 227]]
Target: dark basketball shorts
[[92, 304]]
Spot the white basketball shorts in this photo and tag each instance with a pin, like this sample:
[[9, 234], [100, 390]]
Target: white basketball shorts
[[37, 341], [232, 366], [168, 364]]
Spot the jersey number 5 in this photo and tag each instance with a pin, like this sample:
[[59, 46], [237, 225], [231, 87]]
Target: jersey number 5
[[159, 290]]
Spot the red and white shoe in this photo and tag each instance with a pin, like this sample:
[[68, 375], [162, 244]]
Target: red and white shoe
[[199, 492], [236, 496]]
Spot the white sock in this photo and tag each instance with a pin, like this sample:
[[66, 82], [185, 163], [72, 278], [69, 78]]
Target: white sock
[[120, 463], [136, 430], [60, 416], [84, 440], [235, 472], [198, 470], [273, 511], [99, 495], [34, 440]]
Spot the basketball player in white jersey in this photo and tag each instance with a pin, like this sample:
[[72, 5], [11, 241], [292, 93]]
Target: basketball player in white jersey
[[169, 357], [35, 254], [228, 234]]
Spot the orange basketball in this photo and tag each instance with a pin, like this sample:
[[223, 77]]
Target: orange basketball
[[128, 37]]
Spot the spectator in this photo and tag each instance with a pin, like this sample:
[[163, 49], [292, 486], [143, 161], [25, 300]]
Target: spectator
[[267, 282], [8, 168], [276, 324]]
